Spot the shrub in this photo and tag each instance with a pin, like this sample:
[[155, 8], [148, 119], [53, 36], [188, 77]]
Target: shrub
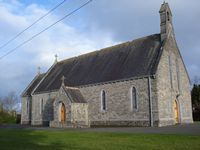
[[7, 118]]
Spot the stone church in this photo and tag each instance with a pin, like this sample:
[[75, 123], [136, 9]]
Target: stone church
[[143, 82]]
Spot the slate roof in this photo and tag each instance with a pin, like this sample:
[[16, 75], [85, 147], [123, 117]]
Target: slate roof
[[127, 60], [74, 95], [32, 85]]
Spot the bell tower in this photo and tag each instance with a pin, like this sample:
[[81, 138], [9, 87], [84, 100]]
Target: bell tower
[[166, 26]]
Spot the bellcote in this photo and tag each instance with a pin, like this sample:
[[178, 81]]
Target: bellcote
[[166, 27]]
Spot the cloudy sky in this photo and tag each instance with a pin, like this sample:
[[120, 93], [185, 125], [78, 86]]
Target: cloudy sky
[[100, 24]]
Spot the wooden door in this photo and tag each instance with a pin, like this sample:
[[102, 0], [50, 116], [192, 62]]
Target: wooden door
[[62, 113], [176, 111]]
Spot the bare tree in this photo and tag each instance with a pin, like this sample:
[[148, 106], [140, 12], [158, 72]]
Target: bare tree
[[10, 102]]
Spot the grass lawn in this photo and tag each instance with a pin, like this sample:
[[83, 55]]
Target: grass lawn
[[13, 139]]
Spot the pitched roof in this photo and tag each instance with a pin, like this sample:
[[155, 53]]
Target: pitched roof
[[131, 59], [74, 95], [32, 85]]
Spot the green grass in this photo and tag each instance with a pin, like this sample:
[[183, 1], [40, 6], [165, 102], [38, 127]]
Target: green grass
[[11, 139]]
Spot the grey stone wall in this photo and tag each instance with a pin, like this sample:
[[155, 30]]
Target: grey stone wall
[[80, 114], [41, 115], [118, 102], [26, 103], [166, 93]]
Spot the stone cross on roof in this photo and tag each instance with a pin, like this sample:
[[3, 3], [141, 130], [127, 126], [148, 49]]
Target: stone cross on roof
[[38, 70], [56, 58]]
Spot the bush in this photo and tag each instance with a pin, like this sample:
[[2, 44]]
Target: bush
[[7, 118], [195, 93], [196, 114]]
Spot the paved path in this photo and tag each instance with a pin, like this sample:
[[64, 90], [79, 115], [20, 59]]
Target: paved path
[[189, 129]]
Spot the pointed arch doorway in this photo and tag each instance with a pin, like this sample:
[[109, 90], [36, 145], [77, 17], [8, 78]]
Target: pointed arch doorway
[[62, 113], [176, 111]]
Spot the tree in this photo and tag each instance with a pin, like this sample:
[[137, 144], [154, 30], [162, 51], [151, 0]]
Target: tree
[[8, 108], [195, 96], [195, 93], [10, 102]]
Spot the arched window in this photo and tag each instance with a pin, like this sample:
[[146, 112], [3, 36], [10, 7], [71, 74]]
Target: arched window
[[41, 106], [103, 100], [27, 106], [178, 75], [170, 70], [134, 99]]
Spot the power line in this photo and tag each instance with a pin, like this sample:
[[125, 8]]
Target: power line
[[23, 43], [12, 39]]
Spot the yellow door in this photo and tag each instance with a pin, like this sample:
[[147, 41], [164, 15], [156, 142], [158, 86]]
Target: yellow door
[[62, 113], [176, 111]]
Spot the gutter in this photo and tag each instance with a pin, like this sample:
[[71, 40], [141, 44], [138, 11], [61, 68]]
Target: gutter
[[95, 84], [150, 103]]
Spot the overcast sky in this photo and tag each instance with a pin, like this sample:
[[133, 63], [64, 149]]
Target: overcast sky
[[100, 24]]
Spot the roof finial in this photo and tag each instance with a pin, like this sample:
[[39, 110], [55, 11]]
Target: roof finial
[[56, 58], [38, 70], [63, 80]]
